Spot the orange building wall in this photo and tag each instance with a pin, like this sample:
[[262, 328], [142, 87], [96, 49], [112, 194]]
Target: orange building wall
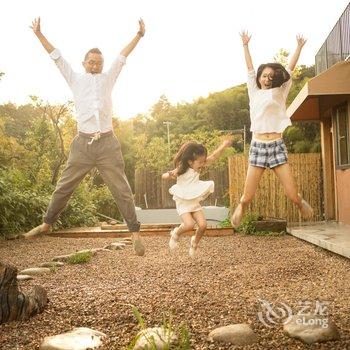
[[343, 194]]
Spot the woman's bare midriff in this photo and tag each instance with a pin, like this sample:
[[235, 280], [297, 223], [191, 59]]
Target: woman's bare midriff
[[269, 136]]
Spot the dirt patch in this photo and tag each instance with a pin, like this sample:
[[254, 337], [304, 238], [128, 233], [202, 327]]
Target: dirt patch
[[220, 287]]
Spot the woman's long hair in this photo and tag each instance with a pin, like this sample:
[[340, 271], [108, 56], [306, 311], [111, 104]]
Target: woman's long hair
[[280, 77], [189, 151]]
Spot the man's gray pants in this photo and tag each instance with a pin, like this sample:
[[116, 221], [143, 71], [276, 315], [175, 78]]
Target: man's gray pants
[[104, 154]]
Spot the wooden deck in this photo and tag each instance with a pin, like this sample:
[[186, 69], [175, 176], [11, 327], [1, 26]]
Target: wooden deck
[[115, 231]]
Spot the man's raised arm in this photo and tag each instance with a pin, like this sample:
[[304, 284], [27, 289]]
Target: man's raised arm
[[127, 49], [55, 54], [37, 31]]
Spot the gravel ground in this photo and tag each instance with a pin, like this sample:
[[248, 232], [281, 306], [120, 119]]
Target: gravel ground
[[220, 287]]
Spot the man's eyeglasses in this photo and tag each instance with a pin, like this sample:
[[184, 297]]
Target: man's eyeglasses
[[94, 63]]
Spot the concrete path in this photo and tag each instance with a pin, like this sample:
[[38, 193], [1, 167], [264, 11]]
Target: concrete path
[[332, 236]]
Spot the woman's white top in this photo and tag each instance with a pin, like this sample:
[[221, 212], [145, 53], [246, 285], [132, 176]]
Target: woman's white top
[[188, 187], [268, 107]]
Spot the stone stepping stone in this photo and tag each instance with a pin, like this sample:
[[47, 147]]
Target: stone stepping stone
[[79, 339], [158, 336], [24, 277], [311, 328], [236, 334], [94, 251], [35, 271], [128, 242], [124, 240], [115, 246], [62, 258], [52, 264]]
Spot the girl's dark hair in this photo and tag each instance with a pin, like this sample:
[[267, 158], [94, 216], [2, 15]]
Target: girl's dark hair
[[189, 151], [280, 77]]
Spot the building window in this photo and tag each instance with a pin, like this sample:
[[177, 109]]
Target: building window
[[341, 123]]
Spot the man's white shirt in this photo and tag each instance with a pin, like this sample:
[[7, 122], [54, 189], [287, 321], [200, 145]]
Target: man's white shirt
[[92, 93]]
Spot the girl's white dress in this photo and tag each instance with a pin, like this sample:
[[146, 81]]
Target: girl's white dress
[[189, 191]]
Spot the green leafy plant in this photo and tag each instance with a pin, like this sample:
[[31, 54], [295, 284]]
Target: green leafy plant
[[79, 258], [225, 223], [182, 343], [248, 226], [53, 269]]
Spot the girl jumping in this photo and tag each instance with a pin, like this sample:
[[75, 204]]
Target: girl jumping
[[268, 90], [189, 190]]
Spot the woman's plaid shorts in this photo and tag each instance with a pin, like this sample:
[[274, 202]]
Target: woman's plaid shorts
[[268, 154]]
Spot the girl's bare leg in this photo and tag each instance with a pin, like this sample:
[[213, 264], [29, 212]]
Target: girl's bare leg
[[199, 217], [186, 225], [287, 180], [254, 174], [201, 221]]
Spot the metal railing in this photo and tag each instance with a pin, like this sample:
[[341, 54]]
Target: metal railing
[[336, 48]]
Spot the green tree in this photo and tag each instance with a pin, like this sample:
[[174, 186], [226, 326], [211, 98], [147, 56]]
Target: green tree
[[282, 57], [152, 154], [124, 130]]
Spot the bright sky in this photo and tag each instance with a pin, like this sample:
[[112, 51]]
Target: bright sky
[[191, 47]]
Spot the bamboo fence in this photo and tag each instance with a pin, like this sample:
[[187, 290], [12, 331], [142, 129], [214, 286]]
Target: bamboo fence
[[270, 201]]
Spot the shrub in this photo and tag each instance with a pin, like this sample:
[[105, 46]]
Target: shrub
[[104, 202], [248, 227], [225, 223], [22, 207], [80, 210]]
